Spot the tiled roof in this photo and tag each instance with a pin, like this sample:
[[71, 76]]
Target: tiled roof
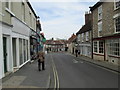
[[54, 42], [96, 5], [85, 28], [72, 38]]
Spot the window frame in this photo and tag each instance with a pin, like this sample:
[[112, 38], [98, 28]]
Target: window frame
[[100, 26], [82, 37], [115, 24], [98, 47], [100, 13], [111, 49], [87, 36], [115, 8]]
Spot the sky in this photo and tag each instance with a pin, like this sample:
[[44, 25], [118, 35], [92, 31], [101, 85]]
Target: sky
[[61, 18]]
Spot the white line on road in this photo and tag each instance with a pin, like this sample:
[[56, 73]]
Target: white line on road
[[75, 61], [57, 84]]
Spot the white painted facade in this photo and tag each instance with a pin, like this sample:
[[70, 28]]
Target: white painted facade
[[85, 49], [19, 31]]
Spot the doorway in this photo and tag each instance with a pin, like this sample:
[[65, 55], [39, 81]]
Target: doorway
[[5, 53], [14, 52]]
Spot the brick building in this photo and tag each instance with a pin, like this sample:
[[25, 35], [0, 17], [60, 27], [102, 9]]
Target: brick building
[[106, 31]]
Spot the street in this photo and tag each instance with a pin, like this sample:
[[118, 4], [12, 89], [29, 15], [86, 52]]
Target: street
[[75, 73]]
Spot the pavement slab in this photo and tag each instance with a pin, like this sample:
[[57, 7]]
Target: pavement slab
[[29, 77]]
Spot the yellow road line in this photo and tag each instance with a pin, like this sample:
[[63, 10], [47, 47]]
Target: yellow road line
[[55, 74]]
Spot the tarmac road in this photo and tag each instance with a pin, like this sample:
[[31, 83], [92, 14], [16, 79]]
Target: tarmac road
[[75, 73]]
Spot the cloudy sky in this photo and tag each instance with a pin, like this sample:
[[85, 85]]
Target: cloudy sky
[[61, 18]]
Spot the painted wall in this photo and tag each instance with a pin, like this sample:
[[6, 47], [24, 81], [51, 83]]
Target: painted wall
[[1, 52]]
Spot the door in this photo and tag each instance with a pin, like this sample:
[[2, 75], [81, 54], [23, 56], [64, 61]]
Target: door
[[14, 52], [5, 53]]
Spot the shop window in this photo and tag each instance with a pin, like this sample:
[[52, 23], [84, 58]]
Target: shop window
[[95, 47], [21, 51], [114, 47], [101, 45]]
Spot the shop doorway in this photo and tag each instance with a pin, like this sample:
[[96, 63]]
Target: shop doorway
[[14, 52], [5, 53]]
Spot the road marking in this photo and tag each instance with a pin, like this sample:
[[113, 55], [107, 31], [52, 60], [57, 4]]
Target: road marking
[[98, 66], [57, 84], [81, 61], [75, 61]]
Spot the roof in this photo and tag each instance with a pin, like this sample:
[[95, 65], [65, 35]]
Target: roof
[[85, 28], [96, 5], [31, 8], [72, 38], [54, 42]]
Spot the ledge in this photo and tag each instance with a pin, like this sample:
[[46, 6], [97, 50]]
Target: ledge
[[9, 11]]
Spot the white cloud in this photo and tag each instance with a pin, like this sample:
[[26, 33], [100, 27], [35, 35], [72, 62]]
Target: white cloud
[[60, 20]]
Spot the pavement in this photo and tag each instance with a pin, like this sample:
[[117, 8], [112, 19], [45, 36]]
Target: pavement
[[29, 77], [104, 64]]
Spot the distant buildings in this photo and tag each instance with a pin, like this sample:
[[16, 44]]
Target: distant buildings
[[19, 34], [55, 45], [71, 44]]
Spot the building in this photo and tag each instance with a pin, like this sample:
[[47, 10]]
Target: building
[[35, 40], [17, 20], [84, 36], [71, 44], [54, 45], [106, 31]]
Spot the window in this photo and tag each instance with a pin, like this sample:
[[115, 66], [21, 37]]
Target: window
[[114, 47], [117, 24], [87, 36], [23, 11], [99, 28], [82, 37], [27, 48], [24, 50], [30, 19], [117, 4], [95, 46], [100, 12], [101, 45], [98, 47], [78, 37], [21, 51], [8, 4]]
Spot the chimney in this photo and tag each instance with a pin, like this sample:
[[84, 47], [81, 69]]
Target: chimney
[[88, 17]]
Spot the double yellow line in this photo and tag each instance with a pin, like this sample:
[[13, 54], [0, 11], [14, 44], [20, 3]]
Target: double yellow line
[[57, 84]]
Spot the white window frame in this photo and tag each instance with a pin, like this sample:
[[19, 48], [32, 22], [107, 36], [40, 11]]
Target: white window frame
[[99, 12], [93, 46], [23, 11], [9, 4], [99, 28], [115, 24], [82, 37], [78, 37], [98, 47], [111, 53], [115, 8], [87, 36]]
